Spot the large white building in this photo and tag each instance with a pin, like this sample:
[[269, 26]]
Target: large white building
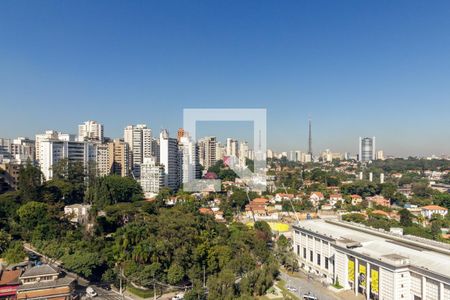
[[232, 147], [152, 177], [50, 135], [169, 158], [52, 151], [243, 153], [139, 140], [374, 263], [366, 149], [189, 159], [90, 130]]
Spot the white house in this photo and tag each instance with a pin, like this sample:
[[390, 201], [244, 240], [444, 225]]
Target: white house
[[429, 210], [77, 213]]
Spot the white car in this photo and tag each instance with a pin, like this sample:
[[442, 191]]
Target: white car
[[91, 292], [179, 296], [291, 289]]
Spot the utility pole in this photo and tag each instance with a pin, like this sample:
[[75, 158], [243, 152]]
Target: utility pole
[[154, 288], [204, 276]]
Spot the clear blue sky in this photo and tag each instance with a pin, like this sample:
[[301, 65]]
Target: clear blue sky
[[355, 67]]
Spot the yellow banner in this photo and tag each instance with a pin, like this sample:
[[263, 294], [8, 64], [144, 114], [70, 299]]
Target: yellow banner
[[362, 271], [351, 270], [374, 281]]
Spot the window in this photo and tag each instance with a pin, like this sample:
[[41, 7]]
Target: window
[[318, 259], [298, 249], [311, 256], [304, 253], [326, 263]]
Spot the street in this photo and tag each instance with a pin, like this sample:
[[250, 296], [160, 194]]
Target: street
[[303, 286]]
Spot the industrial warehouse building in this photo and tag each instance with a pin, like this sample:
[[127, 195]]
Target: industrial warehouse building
[[374, 263]]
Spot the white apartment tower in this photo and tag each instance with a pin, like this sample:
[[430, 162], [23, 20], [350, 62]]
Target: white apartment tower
[[53, 151], [90, 130], [169, 158], [139, 140], [243, 153], [366, 149], [232, 147], [189, 159], [152, 177], [50, 135]]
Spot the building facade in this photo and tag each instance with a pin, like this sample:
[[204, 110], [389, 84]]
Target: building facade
[[207, 151], [372, 263], [139, 140], [90, 131], [366, 149], [152, 177], [169, 158]]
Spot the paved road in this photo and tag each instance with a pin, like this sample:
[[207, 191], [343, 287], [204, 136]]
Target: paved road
[[303, 285]]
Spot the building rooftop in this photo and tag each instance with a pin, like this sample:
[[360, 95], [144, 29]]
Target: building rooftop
[[8, 277], [381, 246], [65, 281], [40, 271]]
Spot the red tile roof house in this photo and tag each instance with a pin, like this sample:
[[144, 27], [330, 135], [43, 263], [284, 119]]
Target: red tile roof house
[[257, 206], [429, 210], [282, 196], [9, 282], [379, 200], [356, 199], [335, 198], [315, 197]]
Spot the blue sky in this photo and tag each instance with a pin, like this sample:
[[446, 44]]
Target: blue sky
[[355, 67]]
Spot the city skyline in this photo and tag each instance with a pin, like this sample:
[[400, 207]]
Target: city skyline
[[146, 62]]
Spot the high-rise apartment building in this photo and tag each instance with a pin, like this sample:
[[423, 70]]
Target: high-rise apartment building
[[152, 177], [189, 159], [52, 151], [180, 134], [366, 149], [102, 160], [220, 151], [232, 147], [139, 140], [50, 135], [207, 151], [119, 158], [90, 131], [19, 150], [169, 158], [243, 153]]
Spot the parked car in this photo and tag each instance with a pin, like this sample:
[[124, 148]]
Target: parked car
[[309, 296], [91, 292], [291, 289]]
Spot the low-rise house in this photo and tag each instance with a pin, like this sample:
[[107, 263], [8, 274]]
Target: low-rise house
[[378, 200], [77, 213], [282, 196], [335, 198], [356, 199], [316, 197], [44, 282], [9, 283], [429, 210]]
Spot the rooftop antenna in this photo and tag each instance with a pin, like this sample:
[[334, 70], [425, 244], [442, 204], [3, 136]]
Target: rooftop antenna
[[310, 139]]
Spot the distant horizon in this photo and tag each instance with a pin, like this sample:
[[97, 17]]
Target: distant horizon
[[222, 138], [355, 68]]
